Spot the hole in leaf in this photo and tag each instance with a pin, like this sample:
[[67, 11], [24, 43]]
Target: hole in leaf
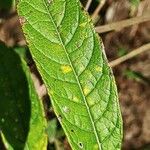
[[80, 145]]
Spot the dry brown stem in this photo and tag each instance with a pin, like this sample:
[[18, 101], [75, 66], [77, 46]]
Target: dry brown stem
[[130, 55], [122, 24]]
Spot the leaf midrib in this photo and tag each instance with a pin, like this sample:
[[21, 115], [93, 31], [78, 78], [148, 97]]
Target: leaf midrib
[[75, 74]]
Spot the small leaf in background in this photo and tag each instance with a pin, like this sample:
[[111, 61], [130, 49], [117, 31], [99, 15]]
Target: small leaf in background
[[134, 5], [121, 52], [55, 135], [135, 2], [137, 76], [21, 115], [51, 130], [69, 56], [131, 74]]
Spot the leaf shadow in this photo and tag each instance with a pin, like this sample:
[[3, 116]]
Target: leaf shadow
[[15, 104]]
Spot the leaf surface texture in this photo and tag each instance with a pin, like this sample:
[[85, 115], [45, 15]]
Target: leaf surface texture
[[69, 55]]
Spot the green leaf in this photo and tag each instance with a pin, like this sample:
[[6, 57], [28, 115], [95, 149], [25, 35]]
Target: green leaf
[[51, 130], [68, 54], [138, 76], [135, 2], [121, 51], [21, 115], [55, 135]]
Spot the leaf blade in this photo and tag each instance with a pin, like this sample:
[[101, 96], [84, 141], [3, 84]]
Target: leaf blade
[[22, 120], [66, 44]]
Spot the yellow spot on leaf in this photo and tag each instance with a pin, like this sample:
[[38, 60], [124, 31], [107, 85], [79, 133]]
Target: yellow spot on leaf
[[86, 90], [91, 102], [75, 99], [98, 68], [95, 147], [83, 24], [66, 69]]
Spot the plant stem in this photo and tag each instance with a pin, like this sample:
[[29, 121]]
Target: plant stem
[[98, 9], [122, 24], [130, 55], [88, 5]]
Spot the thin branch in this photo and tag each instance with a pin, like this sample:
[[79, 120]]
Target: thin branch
[[130, 55], [88, 5], [122, 24], [98, 9]]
